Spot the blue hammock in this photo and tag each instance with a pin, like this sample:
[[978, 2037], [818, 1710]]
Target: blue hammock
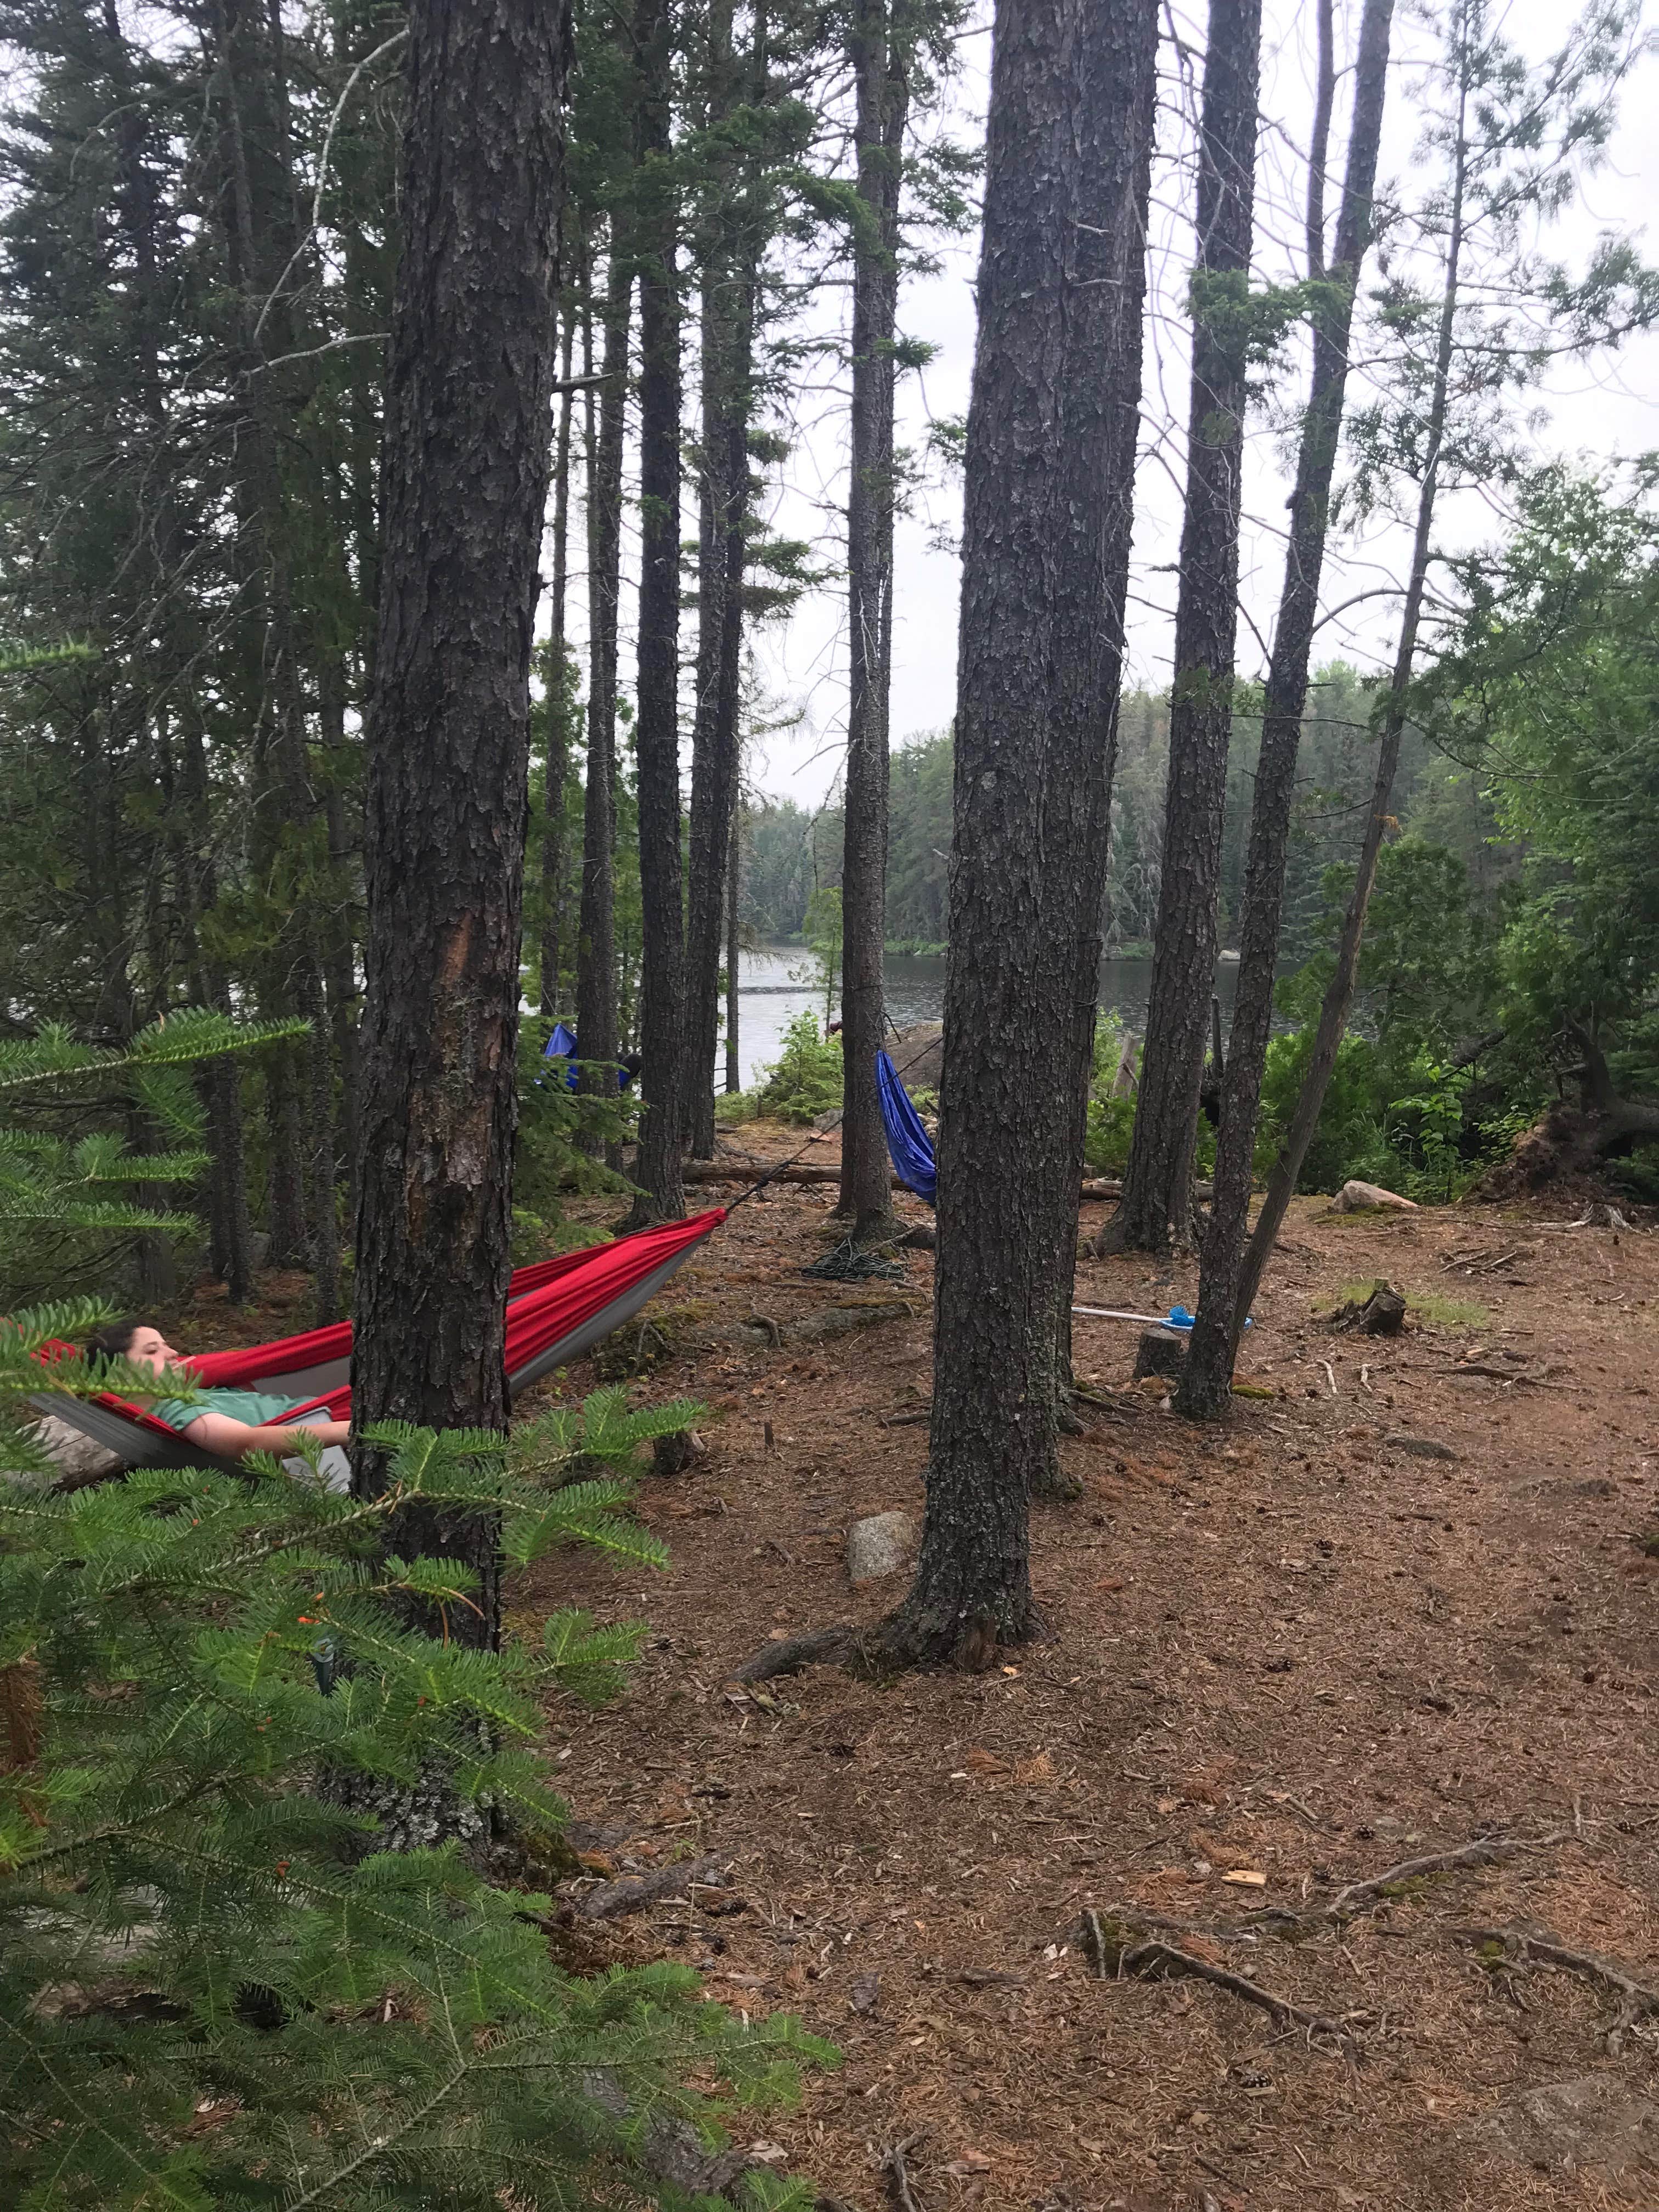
[[909, 1144], [562, 1045]]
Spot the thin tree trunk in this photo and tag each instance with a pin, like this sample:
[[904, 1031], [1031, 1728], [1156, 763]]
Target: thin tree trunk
[[662, 952], [1156, 1208], [1045, 549], [596, 946], [1319, 150], [730, 283], [1206, 1380], [884, 98], [1339, 991], [733, 952], [557, 766], [465, 480]]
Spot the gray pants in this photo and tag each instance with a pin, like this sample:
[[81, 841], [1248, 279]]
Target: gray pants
[[333, 1464]]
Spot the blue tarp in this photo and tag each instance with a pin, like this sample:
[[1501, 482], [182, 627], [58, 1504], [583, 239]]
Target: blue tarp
[[562, 1045], [911, 1147]]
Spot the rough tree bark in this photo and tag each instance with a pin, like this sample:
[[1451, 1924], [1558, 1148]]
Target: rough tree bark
[[464, 480], [596, 943], [734, 949], [1207, 1380], [731, 264], [883, 98], [662, 967], [557, 765], [1048, 503], [1156, 1209], [1339, 991]]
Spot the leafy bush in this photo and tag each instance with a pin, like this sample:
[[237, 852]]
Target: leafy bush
[[214, 1990], [805, 1079], [1111, 1121], [1349, 1140]]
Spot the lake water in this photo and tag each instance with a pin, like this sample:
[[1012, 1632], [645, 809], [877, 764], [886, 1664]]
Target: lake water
[[773, 988]]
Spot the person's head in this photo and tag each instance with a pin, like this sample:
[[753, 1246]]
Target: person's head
[[140, 1341]]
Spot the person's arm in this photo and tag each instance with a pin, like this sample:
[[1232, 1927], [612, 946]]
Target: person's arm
[[232, 1439]]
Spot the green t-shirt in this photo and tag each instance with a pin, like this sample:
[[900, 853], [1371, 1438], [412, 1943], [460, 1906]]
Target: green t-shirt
[[240, 1405]]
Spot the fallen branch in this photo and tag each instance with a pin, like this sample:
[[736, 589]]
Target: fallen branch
[[611, 1900], [1117, 1947], [899, 2196], [791, 1653]]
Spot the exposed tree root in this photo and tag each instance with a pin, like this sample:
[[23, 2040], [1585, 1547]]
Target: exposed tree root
[[1524, 1947], [1117, 1947], [791, 1653]]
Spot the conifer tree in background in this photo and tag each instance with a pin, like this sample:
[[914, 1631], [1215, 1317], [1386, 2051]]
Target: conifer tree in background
[[465, 476], [1156, 1207], [879, 39], [662, 963], [1207, 1380], [1510, 143], [1050, 469]]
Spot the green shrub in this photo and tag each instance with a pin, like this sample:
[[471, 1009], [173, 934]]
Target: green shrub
[[805, 1079], [215, 1992]]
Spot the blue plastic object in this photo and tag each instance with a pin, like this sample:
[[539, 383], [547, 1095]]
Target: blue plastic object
[[562, 1045], [1180, 1318], [908, 1143]]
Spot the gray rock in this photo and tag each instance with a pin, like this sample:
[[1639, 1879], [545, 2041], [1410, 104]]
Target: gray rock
[[1420, 1447], [1564, 2126], [1357, 1197], [881, 1545], [918, 1054]]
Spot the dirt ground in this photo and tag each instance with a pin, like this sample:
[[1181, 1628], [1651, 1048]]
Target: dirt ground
[[1290, 1646]]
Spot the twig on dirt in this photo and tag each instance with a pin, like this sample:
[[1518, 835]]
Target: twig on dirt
[[611, 1900], [899, 2194], [1498, 1374], [909, 1418], [1116, 1948], [1330, 1374], [1528, 1946], [1365, 1381], [791, 1653]]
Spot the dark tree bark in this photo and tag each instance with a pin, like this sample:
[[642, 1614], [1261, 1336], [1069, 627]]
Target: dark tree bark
[[733, 950], [464, 479], [1156, 1208], [557, 766], [1207, 1382], [731, 253], [1045, 547], [596, 943], [662, 963], [883, 98]]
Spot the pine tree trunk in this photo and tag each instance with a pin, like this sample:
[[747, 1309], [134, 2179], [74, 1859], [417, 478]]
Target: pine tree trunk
[[1049, 489], [730, 279], [464, 479], [1339, 991], [1155, 1210], [1208, 1377], [883, 98], [557, 768], [596, 948], [733, 952], [662, 961]]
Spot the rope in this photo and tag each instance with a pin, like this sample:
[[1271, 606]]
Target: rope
[[742, 1197]]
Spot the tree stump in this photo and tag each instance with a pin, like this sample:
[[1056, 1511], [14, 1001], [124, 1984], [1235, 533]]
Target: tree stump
[[1160, 1351]]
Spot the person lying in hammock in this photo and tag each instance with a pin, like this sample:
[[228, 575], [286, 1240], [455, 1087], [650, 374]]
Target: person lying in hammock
[[228, 1423]]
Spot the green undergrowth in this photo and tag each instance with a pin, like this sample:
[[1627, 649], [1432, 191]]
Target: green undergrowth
[[1425, 1307]]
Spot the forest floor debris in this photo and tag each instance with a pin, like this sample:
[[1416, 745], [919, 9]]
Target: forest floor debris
[[1289, 1645]]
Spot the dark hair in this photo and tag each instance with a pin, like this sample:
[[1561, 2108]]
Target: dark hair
[[110, 1342]]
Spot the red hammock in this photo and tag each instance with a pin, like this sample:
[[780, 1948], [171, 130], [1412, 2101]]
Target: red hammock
[[556, 1310]]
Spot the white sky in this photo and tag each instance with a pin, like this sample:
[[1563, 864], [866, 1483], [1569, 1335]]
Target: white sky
[[1600, 410]]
